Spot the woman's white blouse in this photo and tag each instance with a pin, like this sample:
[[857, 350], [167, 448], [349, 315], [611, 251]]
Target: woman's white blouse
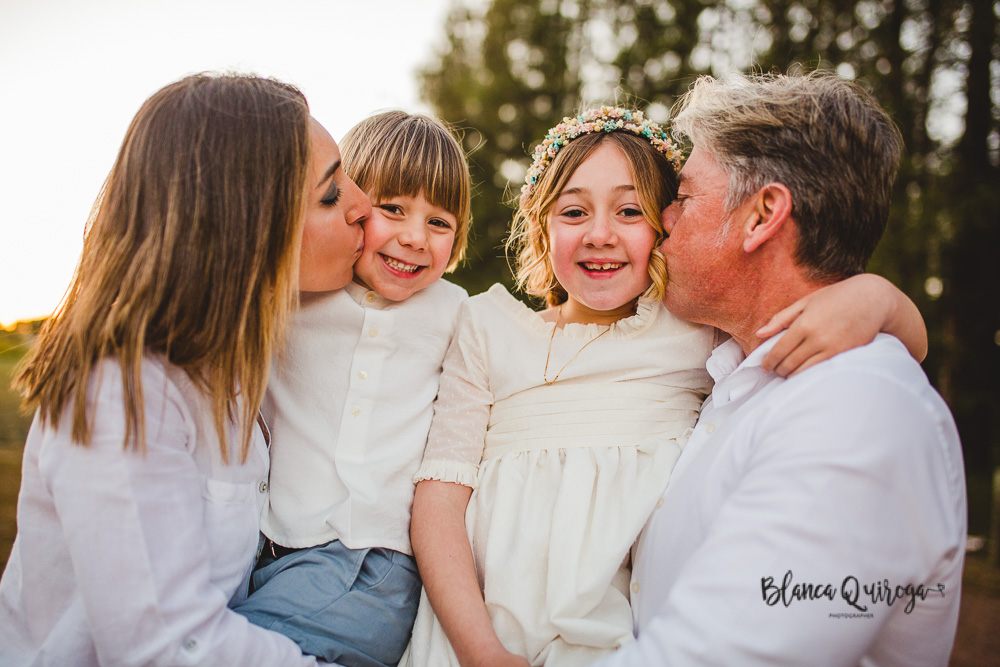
[[124, 558]]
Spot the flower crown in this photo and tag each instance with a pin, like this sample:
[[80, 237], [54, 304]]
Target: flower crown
[[602, 119]]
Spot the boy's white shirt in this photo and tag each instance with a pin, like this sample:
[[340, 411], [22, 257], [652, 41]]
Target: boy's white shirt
[[349, 405]]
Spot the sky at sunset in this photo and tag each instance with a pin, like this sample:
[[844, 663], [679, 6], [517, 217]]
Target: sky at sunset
[[75, 72]]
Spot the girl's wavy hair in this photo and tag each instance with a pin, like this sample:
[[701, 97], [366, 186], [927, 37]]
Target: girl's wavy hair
[[191, 253], [656, 185]]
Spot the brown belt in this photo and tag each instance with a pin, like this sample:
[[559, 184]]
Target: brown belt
[[276, 550]]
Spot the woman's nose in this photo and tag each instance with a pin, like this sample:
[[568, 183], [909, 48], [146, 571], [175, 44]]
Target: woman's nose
[[359, 207]]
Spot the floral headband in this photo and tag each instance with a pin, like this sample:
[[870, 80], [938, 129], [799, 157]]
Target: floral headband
[[603, 119]]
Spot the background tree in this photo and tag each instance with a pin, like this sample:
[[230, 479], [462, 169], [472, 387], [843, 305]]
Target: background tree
[[510, 69]]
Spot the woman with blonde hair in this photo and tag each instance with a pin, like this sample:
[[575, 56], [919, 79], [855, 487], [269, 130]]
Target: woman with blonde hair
[[146, 466]]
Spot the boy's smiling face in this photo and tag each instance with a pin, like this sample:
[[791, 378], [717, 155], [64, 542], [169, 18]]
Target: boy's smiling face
[[408, 244]]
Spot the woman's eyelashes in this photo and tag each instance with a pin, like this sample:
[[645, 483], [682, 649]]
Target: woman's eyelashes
[[332, 197]]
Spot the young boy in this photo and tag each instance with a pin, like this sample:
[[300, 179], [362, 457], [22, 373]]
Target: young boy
[[350, 401]]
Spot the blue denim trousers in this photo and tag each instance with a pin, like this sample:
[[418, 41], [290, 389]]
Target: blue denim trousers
[[355, 607]]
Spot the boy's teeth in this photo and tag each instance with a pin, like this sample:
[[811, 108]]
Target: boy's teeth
[[607, 266], [400, 266]]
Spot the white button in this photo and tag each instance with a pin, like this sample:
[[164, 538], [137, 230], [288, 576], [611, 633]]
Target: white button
[[363, 375], [190, 645], [710, 428], [263, 487], [373, 332], [356, 411], [659, 503], [370, 297], [635, 587]]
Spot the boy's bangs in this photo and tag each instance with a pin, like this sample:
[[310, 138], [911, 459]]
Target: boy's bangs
[[423, 167]]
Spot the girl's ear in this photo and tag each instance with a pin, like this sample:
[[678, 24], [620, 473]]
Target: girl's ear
[[767, 211]]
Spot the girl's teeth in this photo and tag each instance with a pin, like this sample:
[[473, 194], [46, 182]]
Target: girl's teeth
[[400, 266], [603, 267]]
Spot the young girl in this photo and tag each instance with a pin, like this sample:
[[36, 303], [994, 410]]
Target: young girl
[[555, 431], [350, 403], [145, 467]]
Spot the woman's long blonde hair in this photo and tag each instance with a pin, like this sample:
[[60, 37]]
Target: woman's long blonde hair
[[655, 183], [190, 252]]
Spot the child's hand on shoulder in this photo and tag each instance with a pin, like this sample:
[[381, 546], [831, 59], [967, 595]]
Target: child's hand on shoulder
[[840, 317]]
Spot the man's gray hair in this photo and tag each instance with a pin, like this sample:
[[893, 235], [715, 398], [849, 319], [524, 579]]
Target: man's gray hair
[[824, 138]]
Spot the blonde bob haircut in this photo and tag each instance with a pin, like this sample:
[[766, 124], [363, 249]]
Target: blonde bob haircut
[[656, 185], [393, 154], [190, 254]]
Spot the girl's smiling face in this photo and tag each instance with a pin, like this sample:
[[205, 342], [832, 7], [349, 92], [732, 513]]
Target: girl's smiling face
[[599, 242]]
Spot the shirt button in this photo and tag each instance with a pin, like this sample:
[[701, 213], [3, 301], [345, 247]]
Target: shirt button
[[356, 411], [659, 503], [370, 297], [363, 375], [191, 645], [373, 332], [635, 587], [263, 487], [710, 428]]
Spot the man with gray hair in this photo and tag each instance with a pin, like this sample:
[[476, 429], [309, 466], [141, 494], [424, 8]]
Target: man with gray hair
[[818, 519]]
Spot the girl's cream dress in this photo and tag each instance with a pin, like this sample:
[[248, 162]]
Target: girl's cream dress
[[564, 475]]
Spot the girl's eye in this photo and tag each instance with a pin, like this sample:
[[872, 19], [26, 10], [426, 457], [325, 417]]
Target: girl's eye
[[331, 199], [391, 208], [631, 212], [573, 213], [438, 222]]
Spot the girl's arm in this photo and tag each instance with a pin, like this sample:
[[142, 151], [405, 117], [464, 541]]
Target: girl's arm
[[446, 477], [444, 557], [839, 317]]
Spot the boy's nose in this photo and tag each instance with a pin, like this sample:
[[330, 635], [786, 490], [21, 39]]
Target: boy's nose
[[414, 235]]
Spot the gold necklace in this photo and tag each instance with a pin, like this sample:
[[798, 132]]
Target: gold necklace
[[545, 373]]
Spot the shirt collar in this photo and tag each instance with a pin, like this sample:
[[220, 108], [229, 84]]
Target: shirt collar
[[365, 297], [737, 375]]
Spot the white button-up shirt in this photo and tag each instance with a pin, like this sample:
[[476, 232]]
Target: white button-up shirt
[[797, 516], [124, 558], [349, 404]]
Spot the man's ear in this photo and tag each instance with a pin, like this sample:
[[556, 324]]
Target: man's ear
[[768, 211]]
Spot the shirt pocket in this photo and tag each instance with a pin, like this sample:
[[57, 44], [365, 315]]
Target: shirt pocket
[[232, 525]]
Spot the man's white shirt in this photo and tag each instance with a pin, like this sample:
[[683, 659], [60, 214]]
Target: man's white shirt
[[798, 514]]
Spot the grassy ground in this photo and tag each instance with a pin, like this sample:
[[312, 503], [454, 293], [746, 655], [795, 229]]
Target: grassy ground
[[13, 429]]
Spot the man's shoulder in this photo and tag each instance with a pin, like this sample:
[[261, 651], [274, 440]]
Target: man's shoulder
[[885, 358], [878, 381]]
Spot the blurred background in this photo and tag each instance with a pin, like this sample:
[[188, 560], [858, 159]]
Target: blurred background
[[503, 72]]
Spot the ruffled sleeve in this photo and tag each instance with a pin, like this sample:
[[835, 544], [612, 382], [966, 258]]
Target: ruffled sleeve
[[462, 409]]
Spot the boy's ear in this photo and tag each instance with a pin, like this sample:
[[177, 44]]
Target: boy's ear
[[767, 212]]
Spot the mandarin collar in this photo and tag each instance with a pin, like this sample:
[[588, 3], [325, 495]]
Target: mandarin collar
[[366, 297]]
